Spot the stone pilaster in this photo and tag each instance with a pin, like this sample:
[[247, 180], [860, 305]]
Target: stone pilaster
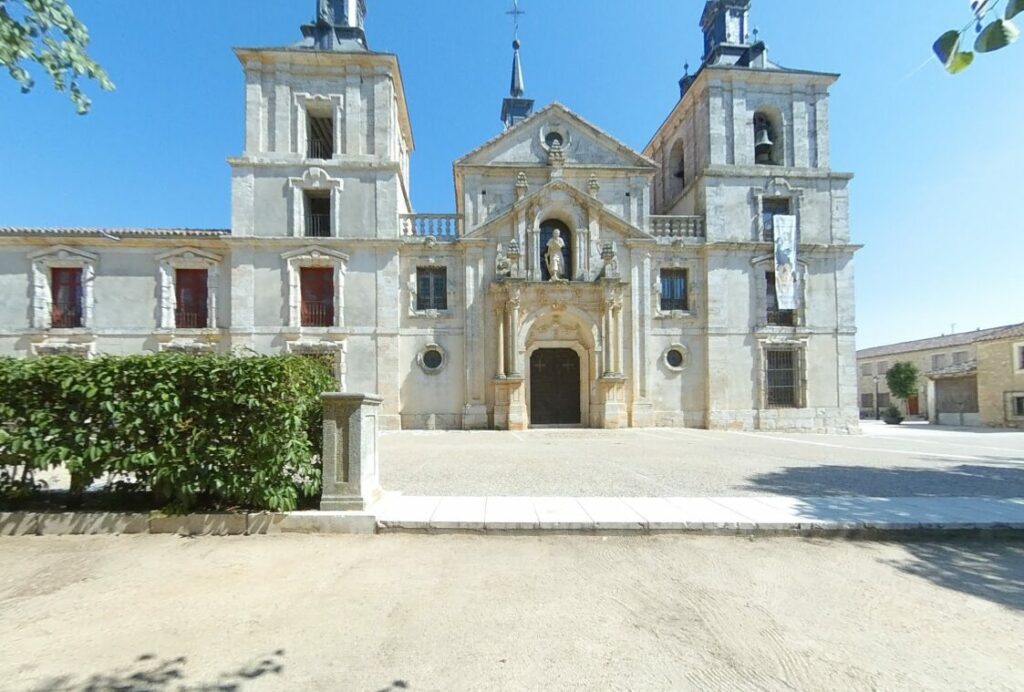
[[351, 474]]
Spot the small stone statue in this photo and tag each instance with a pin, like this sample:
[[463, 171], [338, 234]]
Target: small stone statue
[[610, 259], [554, 258], [325, 11], [502, 265]]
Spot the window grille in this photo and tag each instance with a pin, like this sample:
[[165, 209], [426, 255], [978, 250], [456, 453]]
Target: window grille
[[674, 290], [960, 357], [867, 400], [884, 400], [320, 137], [431, 288], [1018, 406], [781, 379], [66, 298], [775, 316], [938, 361], [190, 298], [317, 290], [770, 206], [882, 367], [865, 370], [318, 216]]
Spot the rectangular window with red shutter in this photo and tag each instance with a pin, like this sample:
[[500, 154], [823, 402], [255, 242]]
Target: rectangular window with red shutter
[[66, 298], [190, 295], [317, 288]]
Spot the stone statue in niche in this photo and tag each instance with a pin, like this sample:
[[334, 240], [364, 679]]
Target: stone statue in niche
[[554, 258]]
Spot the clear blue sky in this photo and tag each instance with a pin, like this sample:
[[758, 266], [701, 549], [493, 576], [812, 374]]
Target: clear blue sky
[[938, 159]]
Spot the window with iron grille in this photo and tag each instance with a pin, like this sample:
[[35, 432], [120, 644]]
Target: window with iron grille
[[938, 361], [317, 290], [65, 298], [770, 206], [1020, 357], [865, 370], [867, 400], [320, 137], [318, 215], [884, 400], [782, 380], [1018, 406], [431, 288], [960, 357], [775, 316], [674, 290], [190, 299], [881, 367]]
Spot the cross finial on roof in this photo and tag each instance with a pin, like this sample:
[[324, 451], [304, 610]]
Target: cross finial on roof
[[516, 13]]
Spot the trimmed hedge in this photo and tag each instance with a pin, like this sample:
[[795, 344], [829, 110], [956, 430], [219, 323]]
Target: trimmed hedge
[[211, 431]]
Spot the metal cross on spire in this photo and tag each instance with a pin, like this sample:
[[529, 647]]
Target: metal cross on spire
[[516, 13]]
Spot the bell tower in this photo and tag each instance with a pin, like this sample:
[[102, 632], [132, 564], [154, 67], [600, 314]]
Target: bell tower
[[725, 26]]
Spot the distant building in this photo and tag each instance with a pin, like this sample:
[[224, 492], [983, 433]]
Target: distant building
[[705, 282], [971, 378]]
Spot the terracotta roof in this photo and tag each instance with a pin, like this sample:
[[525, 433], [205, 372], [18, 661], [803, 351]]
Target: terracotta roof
[[145, 232], [944, 341]]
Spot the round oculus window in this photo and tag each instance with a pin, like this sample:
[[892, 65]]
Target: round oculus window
[[554, 139], [674, 358], [432, 359]]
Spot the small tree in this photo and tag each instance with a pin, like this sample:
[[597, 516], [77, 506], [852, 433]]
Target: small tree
[[902, 380]]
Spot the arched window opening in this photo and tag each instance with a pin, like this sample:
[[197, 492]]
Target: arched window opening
[[676, 170], [547, 232]]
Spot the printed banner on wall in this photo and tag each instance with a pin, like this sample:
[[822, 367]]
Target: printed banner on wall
[[785, 260]]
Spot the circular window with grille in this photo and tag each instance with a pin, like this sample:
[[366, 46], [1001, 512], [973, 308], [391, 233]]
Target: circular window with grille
[[676, 357], [432, 359]]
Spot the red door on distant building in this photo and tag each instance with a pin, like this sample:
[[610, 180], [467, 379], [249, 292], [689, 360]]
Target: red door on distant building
[[317, 287], [912, 406]]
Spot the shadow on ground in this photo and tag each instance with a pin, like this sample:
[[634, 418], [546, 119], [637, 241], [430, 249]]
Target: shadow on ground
[[1003, 478], [151, 673], [988, 569]]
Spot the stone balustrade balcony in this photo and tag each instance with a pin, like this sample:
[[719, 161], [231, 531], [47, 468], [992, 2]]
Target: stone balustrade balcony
[[440, 226], [677, 226]]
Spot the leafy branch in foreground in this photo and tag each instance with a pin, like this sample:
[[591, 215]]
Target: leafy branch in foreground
[[48, 33], [998, 33]]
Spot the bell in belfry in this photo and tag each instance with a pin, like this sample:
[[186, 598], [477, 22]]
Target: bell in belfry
[[763, 146]]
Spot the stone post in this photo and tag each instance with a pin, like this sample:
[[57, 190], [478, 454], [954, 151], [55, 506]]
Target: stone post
[[351, 475]]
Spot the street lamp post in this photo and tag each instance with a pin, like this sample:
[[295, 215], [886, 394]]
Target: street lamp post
[[876, 398]]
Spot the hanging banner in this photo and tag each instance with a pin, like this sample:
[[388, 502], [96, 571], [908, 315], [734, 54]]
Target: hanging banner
[[785, 260]]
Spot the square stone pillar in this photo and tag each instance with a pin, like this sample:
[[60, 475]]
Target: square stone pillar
[[351, 474]]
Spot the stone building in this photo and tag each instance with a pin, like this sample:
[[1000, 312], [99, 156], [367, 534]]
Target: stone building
[[970, 378], [706, 281]]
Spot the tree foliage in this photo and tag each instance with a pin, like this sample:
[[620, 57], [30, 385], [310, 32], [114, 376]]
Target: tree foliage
[[48, 33], [998, 33], [206, 431], [902, 380]]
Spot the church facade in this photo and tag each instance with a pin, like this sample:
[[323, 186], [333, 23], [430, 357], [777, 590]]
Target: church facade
[[706, 281]]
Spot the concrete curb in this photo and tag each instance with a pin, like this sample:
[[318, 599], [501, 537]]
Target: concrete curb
[[242, 524]]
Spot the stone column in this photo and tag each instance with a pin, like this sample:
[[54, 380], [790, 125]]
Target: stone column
[[513, 335], [500, 318], [351, 475]]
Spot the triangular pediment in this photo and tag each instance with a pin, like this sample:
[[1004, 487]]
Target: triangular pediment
[[529, 142], [559, 195]]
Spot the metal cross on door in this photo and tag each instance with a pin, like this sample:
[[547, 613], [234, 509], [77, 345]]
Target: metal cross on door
[[554, 387]]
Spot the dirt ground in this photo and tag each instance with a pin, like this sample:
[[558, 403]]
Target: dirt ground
[[407, 612]]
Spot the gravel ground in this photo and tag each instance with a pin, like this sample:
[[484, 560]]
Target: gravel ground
[[887, 461], [393, 612]]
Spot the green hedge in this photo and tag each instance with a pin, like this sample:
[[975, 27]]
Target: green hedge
[[210, 431]]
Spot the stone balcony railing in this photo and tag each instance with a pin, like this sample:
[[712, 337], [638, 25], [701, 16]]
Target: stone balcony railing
[[677, 226], [440, 226]]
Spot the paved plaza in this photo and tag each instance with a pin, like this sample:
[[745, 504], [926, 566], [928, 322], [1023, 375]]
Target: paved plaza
[[909, 460], [417, 613]]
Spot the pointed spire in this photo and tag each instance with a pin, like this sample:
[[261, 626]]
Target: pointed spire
[[515, 108], [518, 88]]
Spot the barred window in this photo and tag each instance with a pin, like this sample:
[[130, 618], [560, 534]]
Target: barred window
[[881, 367], [770, 206], [674, 290], [867, 400], [782, 378], [191, 310], [865, 370], [431, 288], [938, 361], [320, 137], [318, 215], [960, 357], [317, 292], [775, 316], [884, 401]]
